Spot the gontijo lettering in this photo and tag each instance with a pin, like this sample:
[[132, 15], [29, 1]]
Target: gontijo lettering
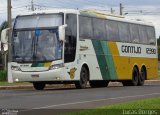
[[131, 49]]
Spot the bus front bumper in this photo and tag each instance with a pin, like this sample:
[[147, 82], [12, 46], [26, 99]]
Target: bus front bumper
[[50, 75]]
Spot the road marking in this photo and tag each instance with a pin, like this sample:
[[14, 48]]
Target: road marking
[[82, 102]]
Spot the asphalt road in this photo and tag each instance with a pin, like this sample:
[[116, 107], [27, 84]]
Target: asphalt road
[[61, 100]]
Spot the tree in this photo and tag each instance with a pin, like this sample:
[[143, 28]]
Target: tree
[[3, 55], [3, 26], [158, 44]]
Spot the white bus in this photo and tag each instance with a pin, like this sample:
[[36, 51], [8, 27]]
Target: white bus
[[71, 46]]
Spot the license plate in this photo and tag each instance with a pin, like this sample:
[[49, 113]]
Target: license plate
[[35, 76]]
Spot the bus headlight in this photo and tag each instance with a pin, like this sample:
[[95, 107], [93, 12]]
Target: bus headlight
[[15, 68], [57, 66]]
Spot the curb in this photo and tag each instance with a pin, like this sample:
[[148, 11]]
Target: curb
[[31, 86], [63, 85]]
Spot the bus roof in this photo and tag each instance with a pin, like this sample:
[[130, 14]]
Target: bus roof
[[73, 11], [90, 13], [109, 16]]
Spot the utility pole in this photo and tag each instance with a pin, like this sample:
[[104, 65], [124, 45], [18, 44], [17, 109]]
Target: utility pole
[[111, 10], [9, 7], [32, 5], [121, 9]]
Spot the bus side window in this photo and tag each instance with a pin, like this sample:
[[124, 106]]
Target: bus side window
[[143, 34], [151, 35], [85, 27], [124, 32], [71, 38], [99, 29], [112, 30], [134, 33]]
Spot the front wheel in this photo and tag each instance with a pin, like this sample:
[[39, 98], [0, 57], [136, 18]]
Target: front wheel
[[82, 83], [39, 85]]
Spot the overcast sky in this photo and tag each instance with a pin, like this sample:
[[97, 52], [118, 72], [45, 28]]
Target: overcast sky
[[147, 10]]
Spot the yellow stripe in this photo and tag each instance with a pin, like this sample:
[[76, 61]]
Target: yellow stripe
[[48, 64], [124, 65]]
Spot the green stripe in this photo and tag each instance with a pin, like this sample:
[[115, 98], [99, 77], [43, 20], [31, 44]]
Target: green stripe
[[101, 59], [37, 65], [109, 60], [105, 60]]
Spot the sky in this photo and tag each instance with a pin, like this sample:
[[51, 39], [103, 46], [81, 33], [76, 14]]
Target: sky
[[146, 10]]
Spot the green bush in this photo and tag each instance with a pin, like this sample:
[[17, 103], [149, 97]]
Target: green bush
[[3, 75]]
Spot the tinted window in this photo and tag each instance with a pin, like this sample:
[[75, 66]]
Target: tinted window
[[71, 21], [124, 32], [143, 34], [99, 29], [112, 30], [71, 38], [134, 33], [85, 26], [151, 35]]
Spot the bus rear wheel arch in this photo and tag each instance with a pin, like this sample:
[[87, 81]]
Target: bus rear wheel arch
[[84, 78]]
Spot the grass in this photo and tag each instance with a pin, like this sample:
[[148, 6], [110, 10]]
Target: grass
[[13, 84], [3, 75], [136, 107]]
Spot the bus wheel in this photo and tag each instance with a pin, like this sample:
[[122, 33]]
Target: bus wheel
[[82, 83], [39, 85], [100, 83], [142, 77], [135, 76]]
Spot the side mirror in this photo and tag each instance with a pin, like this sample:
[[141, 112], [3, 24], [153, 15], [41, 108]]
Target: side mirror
[[61, 31], [4, 36]]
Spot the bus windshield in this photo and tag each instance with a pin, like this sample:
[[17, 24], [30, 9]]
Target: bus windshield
[[38, 45], [36, 39], [38, 21]]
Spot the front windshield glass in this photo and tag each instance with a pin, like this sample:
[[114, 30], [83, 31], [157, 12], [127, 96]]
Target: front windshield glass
[[38, 21], [36, 45], [36, 39]]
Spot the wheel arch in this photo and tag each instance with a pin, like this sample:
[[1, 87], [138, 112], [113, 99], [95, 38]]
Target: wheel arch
[[136, 66], [87, 67]]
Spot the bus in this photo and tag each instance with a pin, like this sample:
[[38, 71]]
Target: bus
[[67, 46]]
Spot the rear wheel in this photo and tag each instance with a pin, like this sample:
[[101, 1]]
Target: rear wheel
[[96, 84], [134, 81], [135, 76], [84, 75], [39, 85], [142, 77]]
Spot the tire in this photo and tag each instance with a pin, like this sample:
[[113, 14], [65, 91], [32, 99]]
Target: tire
[[135, 76], [97, 84], [142, 77], [134, 81], [84, 76], [39, 86]]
